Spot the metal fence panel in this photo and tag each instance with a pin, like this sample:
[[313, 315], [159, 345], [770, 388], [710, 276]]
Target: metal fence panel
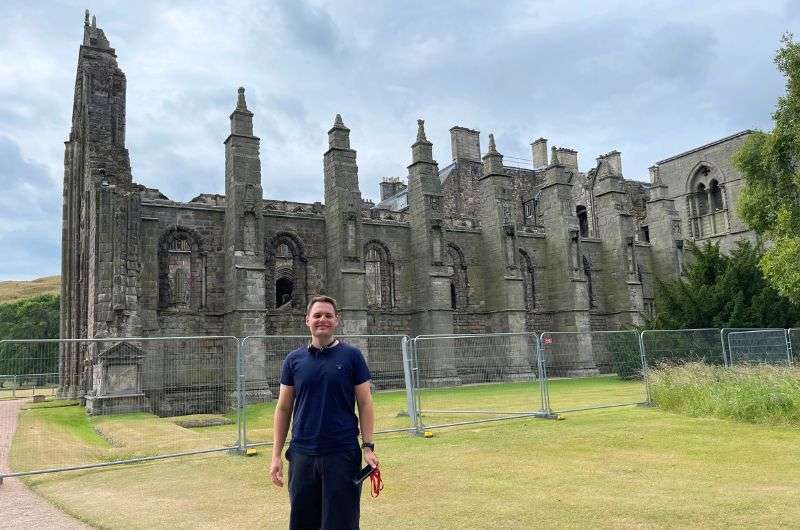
[[262, 359], [144, 398], [767, 346], [680, 346], [473, 378], [593, 369], [724, 332]]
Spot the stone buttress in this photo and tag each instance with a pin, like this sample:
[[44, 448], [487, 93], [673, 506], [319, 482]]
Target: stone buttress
[[505, 293], [244, 243], [344, 232], [431, 278], [616, 228]]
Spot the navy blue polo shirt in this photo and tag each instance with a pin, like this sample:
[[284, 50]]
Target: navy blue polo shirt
[[324, 419]]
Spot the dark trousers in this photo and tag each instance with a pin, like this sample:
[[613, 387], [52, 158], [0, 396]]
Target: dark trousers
[[321, 491]]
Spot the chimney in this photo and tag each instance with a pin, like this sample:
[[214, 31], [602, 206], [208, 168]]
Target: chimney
[[539, 148], [568, 157], [391, 186], [465, 144], [655, 179], [614, 161]]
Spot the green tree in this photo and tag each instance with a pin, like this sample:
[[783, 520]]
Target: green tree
[[770, 200], [722, 291], [31, 318]]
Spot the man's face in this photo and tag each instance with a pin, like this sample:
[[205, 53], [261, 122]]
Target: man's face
[[322, 319]]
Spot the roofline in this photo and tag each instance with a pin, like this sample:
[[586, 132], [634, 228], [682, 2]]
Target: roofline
[[711, 144]]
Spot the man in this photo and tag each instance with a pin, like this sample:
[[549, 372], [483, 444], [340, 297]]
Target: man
[[320, 385]]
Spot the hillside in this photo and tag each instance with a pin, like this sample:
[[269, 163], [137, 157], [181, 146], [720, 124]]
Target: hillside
[[11, 291]]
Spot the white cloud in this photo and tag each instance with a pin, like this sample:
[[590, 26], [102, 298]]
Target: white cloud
[[588, 75]]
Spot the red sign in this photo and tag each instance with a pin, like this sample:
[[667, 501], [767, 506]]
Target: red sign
[[548, 340]]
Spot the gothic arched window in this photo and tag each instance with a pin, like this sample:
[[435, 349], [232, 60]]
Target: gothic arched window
[[458, 277], [583, 220], [587, 271], [181, 270], [528, 280], [379, 271], [284, 288], [701, 199], [715, 195], [285, 273]]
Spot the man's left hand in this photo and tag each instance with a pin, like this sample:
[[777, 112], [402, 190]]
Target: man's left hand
[[370, 457]]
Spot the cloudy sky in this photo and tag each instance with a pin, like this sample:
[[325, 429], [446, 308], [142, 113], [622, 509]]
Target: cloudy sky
[[593, 76]]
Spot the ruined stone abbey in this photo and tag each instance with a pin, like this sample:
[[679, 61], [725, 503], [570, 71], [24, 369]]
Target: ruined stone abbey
[[471, 245]]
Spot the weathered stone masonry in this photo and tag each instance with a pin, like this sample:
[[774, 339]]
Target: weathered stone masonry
[[477, 246]]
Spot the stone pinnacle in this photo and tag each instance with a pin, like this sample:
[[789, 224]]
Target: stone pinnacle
[[492, 147], [421, 131]]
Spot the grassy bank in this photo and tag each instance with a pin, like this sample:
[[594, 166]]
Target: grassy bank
[[11, 291], [755, 394]]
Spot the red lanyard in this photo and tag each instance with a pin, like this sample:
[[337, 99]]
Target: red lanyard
[[377, 483]]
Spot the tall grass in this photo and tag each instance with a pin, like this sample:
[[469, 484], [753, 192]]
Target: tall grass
[[755, 394]]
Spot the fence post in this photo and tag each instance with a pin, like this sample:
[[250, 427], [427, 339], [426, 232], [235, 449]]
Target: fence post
[[645, 368], [789, 353], [543, 385], [241, 442], [411, 402]]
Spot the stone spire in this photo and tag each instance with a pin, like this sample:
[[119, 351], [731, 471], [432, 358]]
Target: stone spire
[[422, 150], [492, 161], [339, 134], [241, 117]]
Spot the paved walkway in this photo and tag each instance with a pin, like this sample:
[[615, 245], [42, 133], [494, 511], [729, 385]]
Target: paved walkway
[[19, 506]]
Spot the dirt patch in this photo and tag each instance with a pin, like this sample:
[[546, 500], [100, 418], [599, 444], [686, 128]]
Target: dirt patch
[[204, 422]]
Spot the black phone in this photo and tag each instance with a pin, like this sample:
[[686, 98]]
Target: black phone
[[363, 474]]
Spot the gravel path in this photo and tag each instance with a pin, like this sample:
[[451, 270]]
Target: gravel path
[[19, 506]]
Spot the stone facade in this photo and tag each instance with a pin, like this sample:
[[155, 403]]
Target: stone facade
[[475, 247]]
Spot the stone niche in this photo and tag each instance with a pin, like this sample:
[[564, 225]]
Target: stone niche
[[117, 381]]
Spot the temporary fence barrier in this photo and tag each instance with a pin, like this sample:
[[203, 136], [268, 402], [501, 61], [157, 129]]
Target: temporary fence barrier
[[153, 398], [766, 346], [724, 332], [147, 398], [462, 379], [28, 385], [263, 356], [794, 343], [584, 369]]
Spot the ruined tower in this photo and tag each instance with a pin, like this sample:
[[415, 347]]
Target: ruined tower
[[101, 219]]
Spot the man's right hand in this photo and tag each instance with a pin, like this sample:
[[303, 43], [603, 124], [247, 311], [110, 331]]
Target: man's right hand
[[276, 471]]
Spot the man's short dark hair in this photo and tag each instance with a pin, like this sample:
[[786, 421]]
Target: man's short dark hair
[[322, 298]]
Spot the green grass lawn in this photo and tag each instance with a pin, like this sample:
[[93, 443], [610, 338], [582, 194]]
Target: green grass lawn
[[82, 439], [625, 467], [630, 467]]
